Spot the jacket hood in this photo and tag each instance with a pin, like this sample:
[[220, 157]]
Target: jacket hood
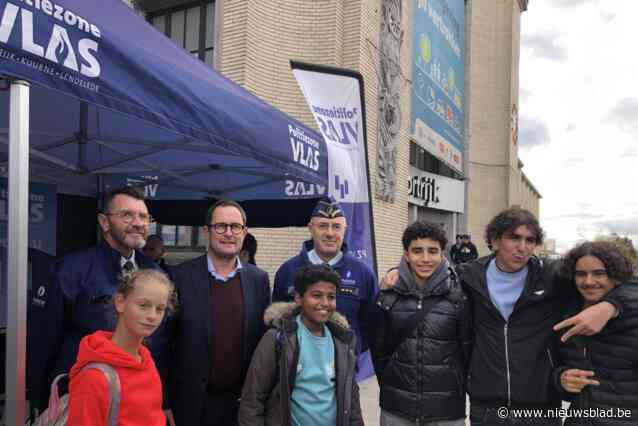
[[437, 283], [98, 347], [279, 313]]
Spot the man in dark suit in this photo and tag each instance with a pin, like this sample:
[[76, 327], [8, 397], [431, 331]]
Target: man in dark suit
[[218, 325]]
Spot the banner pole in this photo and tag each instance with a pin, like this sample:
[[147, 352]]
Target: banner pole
[[17, 243]]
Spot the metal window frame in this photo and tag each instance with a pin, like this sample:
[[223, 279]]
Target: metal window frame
[[168, 12]]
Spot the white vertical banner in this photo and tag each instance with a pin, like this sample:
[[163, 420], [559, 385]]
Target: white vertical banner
[[335, 99], [336, 105]]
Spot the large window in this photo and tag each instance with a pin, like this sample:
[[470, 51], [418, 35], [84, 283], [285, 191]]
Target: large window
[[179, 236], [191, 27], [423, 160]]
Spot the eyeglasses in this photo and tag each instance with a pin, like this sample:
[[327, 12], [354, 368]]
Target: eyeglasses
[[220, 228], [128, 216]]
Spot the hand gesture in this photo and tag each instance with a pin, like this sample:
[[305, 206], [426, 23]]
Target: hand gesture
[[574, 380], [587, 322], [389, 280]]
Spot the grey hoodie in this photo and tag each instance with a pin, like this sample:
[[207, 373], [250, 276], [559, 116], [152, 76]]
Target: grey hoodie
[[408, 285]]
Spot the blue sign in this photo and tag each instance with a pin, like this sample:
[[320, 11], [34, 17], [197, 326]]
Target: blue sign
[[43, 213], [438, 78]]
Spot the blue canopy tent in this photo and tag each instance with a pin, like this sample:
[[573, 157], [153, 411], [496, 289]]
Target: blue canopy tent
[[98, 98]]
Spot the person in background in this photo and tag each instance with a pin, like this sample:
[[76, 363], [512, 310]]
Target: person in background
[[249, 249], [467, 252], [142, 299], [600, 371], [302, 373], [454, 250], [154, 250], [422, 332]]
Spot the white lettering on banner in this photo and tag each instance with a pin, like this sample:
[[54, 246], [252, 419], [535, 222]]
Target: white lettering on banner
[[36, 212], [36, 207], [150, 189], [298, 188], [59, 42], [59, 39], [305, 150]]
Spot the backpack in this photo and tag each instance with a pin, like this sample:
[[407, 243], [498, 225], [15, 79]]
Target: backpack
[[57, 412]]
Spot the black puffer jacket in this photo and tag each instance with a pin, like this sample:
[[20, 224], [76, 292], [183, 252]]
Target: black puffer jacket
[[424, 378], [513, 361], [613, 356]]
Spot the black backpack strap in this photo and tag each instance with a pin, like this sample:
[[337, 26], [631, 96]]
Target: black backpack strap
[[279, 343], [411, 323]]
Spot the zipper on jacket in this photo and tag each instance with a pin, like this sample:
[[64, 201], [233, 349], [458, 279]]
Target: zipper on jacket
[[549, 355], [507, 365], [584, 393], [419, 372]]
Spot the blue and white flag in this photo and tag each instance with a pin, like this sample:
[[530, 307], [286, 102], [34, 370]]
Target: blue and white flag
[[335, 99]]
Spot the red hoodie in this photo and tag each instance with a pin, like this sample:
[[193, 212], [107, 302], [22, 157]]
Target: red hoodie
[[141, 388]]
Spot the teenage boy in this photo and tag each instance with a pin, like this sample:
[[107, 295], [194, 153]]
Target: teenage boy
[[423, 335], [302, 373], [516, 299]]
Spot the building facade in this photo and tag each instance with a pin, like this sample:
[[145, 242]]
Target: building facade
[[252, 42], [495, 179]]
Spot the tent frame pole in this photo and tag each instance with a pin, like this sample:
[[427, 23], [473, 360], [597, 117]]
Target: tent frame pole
[[17, 253]]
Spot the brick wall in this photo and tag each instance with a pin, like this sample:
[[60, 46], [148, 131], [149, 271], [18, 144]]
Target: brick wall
[[259, 37], [257, 41]]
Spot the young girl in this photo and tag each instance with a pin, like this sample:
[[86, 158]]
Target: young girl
[[141, 301]]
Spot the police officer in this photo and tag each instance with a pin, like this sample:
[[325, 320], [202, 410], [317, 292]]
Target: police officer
[[356, 295], [77, 300]]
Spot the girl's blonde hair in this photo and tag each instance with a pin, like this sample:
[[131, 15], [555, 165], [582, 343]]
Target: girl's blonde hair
[[128, 281]]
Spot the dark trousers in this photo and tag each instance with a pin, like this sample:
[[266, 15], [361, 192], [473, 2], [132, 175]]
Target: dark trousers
[[220, 409], [490, 416]]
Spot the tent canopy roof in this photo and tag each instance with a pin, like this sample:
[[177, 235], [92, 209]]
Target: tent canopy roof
[[115, 102]]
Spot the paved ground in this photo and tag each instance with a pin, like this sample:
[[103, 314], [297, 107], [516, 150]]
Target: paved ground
[[369, 395]]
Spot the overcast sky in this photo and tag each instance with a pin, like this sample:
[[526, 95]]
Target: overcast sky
[[578, 115]]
